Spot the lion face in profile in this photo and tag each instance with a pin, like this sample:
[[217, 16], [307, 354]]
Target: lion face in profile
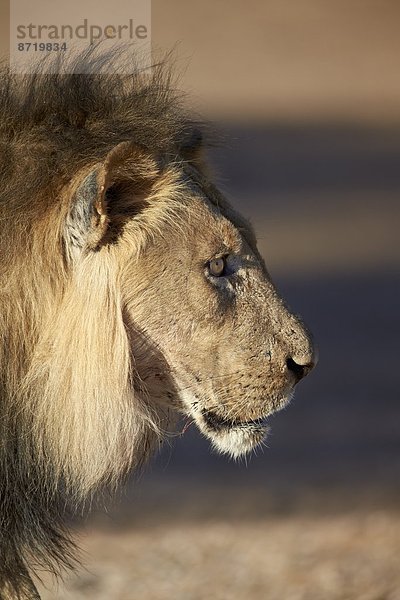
[[231, 352], [210, 337]]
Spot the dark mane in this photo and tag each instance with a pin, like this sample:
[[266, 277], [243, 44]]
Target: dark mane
[[52, 124]]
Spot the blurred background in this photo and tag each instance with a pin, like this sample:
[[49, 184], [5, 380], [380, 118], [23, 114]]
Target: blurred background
[[307, 97]]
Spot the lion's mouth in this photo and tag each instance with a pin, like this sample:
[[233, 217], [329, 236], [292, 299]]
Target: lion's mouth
[[235, 436], [217, 423]]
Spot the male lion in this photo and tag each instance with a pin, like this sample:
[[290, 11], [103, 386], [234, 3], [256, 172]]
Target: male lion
[[130, 292]]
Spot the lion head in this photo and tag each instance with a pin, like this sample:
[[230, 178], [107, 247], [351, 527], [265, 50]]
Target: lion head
[[167, 308], [225, 350], [131, 293]]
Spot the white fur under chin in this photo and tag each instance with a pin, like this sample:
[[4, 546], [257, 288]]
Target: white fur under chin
[[238, 441], [234, 441]]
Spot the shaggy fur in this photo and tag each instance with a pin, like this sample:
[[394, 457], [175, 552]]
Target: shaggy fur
[[51, 128], [110, 319]]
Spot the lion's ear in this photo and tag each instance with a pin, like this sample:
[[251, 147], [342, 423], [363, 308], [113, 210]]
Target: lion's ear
[[113, 188]]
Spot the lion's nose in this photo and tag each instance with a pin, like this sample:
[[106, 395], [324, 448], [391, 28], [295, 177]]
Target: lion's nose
[[299, 368]]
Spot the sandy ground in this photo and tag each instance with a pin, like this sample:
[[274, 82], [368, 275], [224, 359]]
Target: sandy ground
[[282, 60], [354, 556]]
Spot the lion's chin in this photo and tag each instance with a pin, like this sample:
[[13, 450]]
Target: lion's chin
[[232, 437], [238, 441], [238, 438]]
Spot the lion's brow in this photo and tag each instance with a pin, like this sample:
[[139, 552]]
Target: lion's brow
[[196, 179]]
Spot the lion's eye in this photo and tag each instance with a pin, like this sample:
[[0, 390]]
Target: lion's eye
[[217, 266]]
